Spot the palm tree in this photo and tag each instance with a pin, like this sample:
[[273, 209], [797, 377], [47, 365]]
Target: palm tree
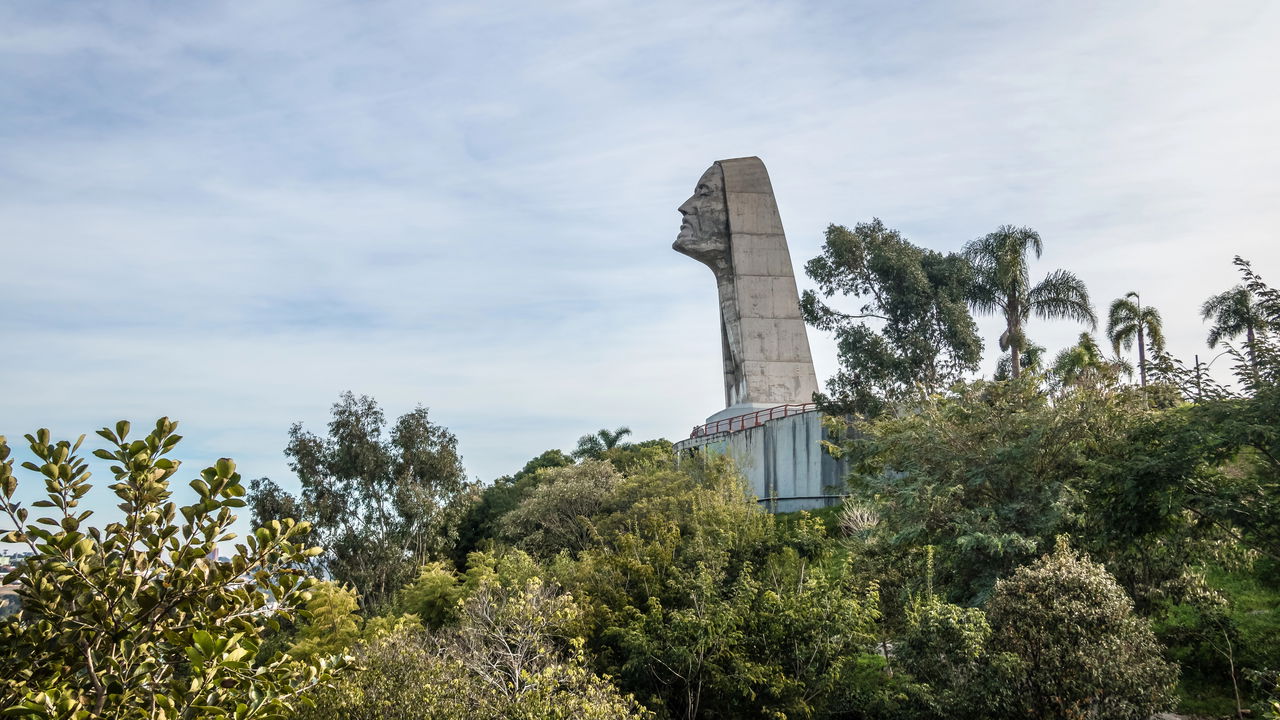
[[1031, 360], [1235, 312], [593, 446], [1127, 320], [1084, 362], [1002, 284]]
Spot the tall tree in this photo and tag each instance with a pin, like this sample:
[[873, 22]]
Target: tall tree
[[380, 504], [913, 329], [480, 523], [1234, 313], [1002, 284], [1129, 320]]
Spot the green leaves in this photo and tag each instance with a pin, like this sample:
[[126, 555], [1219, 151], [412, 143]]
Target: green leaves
[[380, 500], [111, 616], [1002, 285], [1080, 642], [913, 331]]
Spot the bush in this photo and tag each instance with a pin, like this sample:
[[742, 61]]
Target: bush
[[944, 646], [506, 660], [1084, 652], [558, 514], [331, 624], [135, 620]]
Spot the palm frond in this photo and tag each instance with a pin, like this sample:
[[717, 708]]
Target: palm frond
[[1154, 326], [1062, 295]]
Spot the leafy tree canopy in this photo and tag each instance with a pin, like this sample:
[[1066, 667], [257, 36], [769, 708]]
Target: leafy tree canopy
[[380, 503], [1081, 649], [913, 328]]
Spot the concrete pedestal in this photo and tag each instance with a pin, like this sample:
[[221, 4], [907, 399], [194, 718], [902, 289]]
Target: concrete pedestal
[[783, 461]]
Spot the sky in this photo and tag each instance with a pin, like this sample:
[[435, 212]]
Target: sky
[[229, 213]]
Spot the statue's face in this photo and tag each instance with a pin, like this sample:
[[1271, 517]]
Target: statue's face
[[704, 234]]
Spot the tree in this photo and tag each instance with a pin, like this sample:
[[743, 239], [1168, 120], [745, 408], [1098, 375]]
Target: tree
[[985, 475], [511, 655], [558, 514], [945, 646], [1236, 312], [1031, 359], [331, 624], [1129, 320], [1084, 364], [1002, 284], [1214, 463], [135, 620], [630, 458], [594, 446], [914, 328], [1083, 650], [381, 505], [704, 606], [482, 522]]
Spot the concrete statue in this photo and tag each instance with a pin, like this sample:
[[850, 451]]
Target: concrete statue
[[731, 224]]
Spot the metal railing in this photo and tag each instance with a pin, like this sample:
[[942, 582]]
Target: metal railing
[[751, 419]]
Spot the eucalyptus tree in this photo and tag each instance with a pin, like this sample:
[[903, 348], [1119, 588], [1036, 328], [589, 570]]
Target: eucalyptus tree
[[1002, 285], [380, 503], [1127, 321], [912, 330], [1234, 313]]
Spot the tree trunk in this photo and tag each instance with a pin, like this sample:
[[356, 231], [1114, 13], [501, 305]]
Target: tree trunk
[[1142, 358], [1014, 324], [1253, 357]]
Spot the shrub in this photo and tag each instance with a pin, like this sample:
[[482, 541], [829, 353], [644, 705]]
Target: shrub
[[135, 620], [1084, 652], [943, 644], [506, 660], [558, 514]]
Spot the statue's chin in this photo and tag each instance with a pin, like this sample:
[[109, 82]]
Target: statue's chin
[[685, 241], [712, 252]]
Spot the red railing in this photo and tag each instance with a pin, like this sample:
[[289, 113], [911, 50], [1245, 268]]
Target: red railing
[[751, 419]]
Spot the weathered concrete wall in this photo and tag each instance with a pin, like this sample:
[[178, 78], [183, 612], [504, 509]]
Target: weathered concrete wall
[[776, 362], [731, 224], [783, 461]]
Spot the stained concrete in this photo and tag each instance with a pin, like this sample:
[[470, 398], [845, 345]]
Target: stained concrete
[[783, 462], [732, 225]]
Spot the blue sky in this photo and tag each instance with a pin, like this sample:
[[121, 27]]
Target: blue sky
[[229, 213]]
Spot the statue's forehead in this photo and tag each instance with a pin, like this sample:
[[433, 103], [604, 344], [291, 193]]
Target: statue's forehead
[[713, 177]]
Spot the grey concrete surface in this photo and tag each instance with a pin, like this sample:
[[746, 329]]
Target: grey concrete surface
[[731, 224], [782, 460]]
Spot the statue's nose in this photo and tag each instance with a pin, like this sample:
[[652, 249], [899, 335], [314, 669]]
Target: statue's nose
[[687, 207]]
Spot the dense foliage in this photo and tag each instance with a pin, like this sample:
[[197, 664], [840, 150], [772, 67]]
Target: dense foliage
[[380, 504], [1081, 650], [136, 620], [914, 329], [1054, 542], [506, 658]]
